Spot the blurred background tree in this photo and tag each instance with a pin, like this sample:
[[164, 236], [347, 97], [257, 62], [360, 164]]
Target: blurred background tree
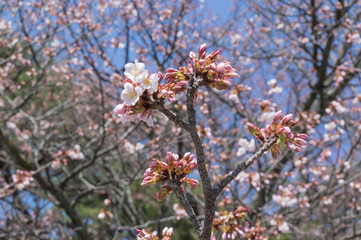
[[63, 152]]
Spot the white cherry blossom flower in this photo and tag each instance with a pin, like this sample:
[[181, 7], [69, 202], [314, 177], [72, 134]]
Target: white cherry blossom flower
[[150, 83], [284, 228], [101, 215], [130, 94], [275, 90], [272, 82], [245, 146], [136, 71]]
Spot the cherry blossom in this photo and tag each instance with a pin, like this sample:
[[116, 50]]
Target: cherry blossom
[[231, 224], [144, 235], [130, 94], [22, 178], [136, 71]]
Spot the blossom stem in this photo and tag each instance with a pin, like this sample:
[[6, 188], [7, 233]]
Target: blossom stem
[[184, 200], [160, 107], [218, 188]]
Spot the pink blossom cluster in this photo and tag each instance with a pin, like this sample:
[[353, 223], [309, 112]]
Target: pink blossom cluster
[[286, 197], [60, 158], [255, 233], [172, 169], [280, 128], [214, 75], [179, 211], [289, 196], [144, 235], [22, 178], [231, 223], [280, 223]]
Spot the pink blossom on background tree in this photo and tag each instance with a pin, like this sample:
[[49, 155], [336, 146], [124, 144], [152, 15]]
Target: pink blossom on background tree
[[98, 97]]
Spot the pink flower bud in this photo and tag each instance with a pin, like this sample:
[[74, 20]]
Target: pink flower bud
[[110, 215], [213, 66], [278, 116], [293, 123], [300, 142], [221, 67], [202, 49], [192, 182], [167, 232], [232, 75], [148, 180], [252, 128], [140, 232], [242, 209], [188, 157], [171, 157], [120, 109], [171, 74], [160, 77], [107, 202], [302, 135], [285, 130], [287, 119], [275, 152], [172, 70], [214, 54], [202, 62], [292, 146], [180, 86], [226, 84]]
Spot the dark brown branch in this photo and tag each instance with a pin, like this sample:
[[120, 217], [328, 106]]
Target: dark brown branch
[[194, 84]]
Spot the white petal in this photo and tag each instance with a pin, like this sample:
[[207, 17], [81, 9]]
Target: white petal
[[139, 66]]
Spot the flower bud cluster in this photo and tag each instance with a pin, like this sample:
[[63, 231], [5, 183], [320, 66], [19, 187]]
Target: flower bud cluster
[[280, 128], [173, 85], [214, 75], [167, 233], [231, 223], [144, 235], [171, 169]]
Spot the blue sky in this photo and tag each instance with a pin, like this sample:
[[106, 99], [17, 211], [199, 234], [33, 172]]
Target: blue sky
[[220, 7]]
